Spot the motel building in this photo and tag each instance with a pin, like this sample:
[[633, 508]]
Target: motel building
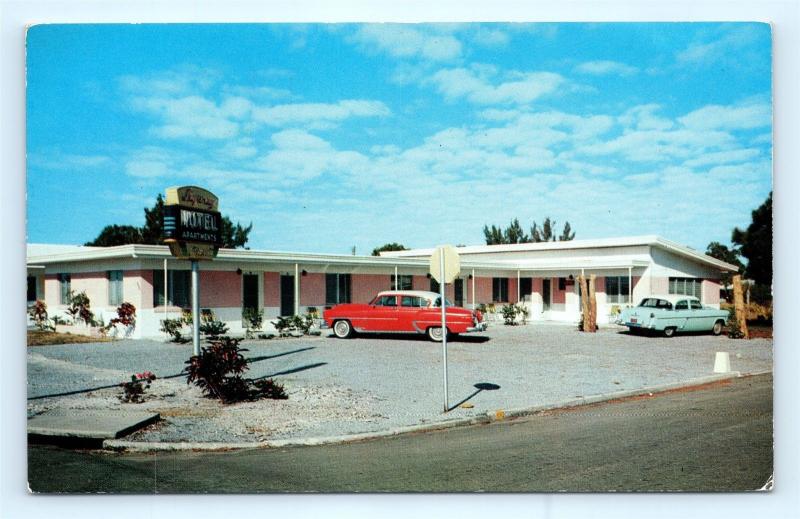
[[542, 276]]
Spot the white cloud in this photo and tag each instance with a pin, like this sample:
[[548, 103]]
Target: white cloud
[[475, 85], [182, 81], [728, 117], [643, 117], [407, 41], [724, 157], [190, 116], [604, 67], [489, 37], [319, 113], [146, 168], [726, 47]]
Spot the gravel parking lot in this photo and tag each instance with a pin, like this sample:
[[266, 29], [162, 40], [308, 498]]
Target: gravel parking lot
[[374, 383]]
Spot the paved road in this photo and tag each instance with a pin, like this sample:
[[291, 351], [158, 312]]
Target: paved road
[[717, 438]]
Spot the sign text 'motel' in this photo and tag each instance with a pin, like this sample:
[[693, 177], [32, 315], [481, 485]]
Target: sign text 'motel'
[[192, 224]]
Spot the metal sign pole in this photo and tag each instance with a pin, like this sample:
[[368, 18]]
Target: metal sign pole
[[196, 307], [444, 329]]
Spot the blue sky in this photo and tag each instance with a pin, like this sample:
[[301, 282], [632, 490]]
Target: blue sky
[[329, 136]]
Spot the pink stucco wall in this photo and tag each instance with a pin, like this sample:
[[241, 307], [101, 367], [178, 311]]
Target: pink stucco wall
[[483, 290], [365, 286], [536, 286], [512, 289], [219, 289], [600, 284], [420, 283], [272, 289], [51, 290], [312, 290], [711, 291], [137, 288], [559, 297], [95, 284]]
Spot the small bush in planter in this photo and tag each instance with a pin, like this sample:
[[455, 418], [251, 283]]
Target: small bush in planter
[[38, 313], [79, 307], [509, 314], [253, 319], [173, 327], [214, 329], [133, 391], [126, 316]]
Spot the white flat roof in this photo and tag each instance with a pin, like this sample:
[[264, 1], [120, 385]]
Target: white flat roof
[[42, 254], [628, 241]]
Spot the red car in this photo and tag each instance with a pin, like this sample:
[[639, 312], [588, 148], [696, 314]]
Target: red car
[[402, 311]]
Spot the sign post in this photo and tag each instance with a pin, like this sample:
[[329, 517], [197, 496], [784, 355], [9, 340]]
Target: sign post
[[445, 265], [193, 231]]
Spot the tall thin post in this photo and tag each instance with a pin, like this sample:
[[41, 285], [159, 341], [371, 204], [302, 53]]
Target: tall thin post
[[196, 307], [296, 289], [519, 296], [444, 328], [166, 289], [396, 286], [473, 289], [630, 287]]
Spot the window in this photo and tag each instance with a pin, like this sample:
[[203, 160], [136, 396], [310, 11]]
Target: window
[[562, 284], [337, 289], [695, 305], [413, 301], [115, 287], [499, 290], [403, 282], [438, 302], [686, 286], [434, 286], [31, 289], [179, 284], [681, 305], [386, 301], [617, 289], [64, 285], [651, 302]]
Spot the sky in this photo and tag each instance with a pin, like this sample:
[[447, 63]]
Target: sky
[[330, 136]]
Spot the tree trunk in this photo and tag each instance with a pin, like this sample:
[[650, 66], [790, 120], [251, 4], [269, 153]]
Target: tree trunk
[[584, 302], [738, 304], [592, 305]]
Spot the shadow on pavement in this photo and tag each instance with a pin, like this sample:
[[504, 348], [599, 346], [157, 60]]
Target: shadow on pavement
[[482, 386], [293, 370], [183, 374]]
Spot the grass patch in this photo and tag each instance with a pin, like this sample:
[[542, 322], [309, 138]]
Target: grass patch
[[42, 338]]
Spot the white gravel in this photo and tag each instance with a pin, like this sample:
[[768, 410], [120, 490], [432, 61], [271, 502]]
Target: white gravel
[[375, 383]]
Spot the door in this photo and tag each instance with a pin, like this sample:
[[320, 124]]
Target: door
[[459, 292], [546, 295], [249, 291], [525, 289], [287, 295]]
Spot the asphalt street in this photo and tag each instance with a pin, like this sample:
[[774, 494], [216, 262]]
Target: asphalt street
[[714, 438]]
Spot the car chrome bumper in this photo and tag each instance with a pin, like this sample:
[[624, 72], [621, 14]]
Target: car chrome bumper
[[480, 327]]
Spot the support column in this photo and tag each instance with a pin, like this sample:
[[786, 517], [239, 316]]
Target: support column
[[630, 287], [296, 289], [473, 289], [519, 298], [396, 286]]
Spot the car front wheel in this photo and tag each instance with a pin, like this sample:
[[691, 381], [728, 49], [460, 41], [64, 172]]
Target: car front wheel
[[669, 331], [435, 333], [342, 329], [717, 329]]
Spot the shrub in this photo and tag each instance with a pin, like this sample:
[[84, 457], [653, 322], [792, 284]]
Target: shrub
[[509, 314], [38, 313], [523, 312], [133, 391], [214, 328], [126, 316], [79, 307], [218, 371], [734, 330], [173, 327], [253, 320]]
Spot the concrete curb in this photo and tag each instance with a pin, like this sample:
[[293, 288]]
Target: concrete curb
[[488, 417]]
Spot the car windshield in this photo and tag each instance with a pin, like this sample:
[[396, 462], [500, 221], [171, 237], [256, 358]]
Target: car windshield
[[438, 302], [653, 302]]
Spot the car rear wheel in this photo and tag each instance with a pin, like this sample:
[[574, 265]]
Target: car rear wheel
[[342, 329], [669, 331], [435, 333], [717, 329]]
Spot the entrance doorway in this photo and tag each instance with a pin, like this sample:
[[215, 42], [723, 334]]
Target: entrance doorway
[[545, 295], [249, 291], [525, 289], [287, 295], [459, 292]]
